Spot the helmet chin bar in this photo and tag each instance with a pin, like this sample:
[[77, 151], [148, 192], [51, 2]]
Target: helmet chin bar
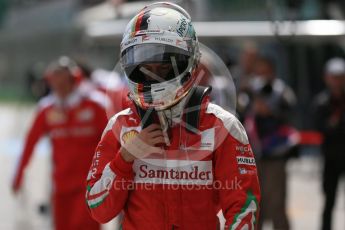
[[131, 97]]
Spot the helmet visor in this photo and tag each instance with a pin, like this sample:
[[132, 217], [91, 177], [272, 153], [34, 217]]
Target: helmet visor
[[154, 63]]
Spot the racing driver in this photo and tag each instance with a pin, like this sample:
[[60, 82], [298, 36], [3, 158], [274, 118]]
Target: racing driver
[[172, 159]]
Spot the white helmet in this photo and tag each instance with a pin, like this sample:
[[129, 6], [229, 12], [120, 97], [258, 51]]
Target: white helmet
[[160, 33]]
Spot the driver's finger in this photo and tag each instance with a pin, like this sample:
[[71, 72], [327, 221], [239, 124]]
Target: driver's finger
[[152, 127], [155, 133]]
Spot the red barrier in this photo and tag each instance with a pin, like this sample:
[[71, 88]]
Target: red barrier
[[310, 138]]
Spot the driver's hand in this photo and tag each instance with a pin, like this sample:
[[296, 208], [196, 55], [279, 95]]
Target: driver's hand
[[143, 144]]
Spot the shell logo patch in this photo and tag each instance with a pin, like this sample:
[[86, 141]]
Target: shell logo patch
[[127, 136], [55, 116]]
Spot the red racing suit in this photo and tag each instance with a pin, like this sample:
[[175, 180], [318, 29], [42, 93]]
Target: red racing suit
[[74, 130], [199, 174]]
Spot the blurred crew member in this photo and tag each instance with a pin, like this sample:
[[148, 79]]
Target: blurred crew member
[[329, 114], [244, 71], [272, 139], [243, 74], [74, 123], [171, 160], [111, 84], [105, 86], [103, 95]]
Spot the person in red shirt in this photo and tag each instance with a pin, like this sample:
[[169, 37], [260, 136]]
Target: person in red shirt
[[172, 159], [105, 85], [74, 123]]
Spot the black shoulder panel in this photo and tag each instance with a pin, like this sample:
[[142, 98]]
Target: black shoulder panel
[[192, 109]]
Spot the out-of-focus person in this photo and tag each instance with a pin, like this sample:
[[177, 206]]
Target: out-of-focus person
[[243, 74], [74, 123], [272, 139], [88, 86], [107, 87], [329, 119], [113, 85], [244, 71]]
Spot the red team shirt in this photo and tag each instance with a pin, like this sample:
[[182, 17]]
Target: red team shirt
[[200, 174], [74, 129]]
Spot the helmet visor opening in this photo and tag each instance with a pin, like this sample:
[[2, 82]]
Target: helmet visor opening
[[154, 63]]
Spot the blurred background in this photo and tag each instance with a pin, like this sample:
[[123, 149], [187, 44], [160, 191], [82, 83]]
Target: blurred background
[[297, 36]]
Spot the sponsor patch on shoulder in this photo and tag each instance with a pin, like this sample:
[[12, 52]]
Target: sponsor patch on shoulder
[[244, 149], [244, 171], [245, 160]]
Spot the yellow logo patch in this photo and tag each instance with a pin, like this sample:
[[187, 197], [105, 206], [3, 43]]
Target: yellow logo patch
[[55, 116], [127, 136]]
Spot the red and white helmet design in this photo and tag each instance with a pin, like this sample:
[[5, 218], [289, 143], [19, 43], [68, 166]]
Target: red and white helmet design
[[161, 33]]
